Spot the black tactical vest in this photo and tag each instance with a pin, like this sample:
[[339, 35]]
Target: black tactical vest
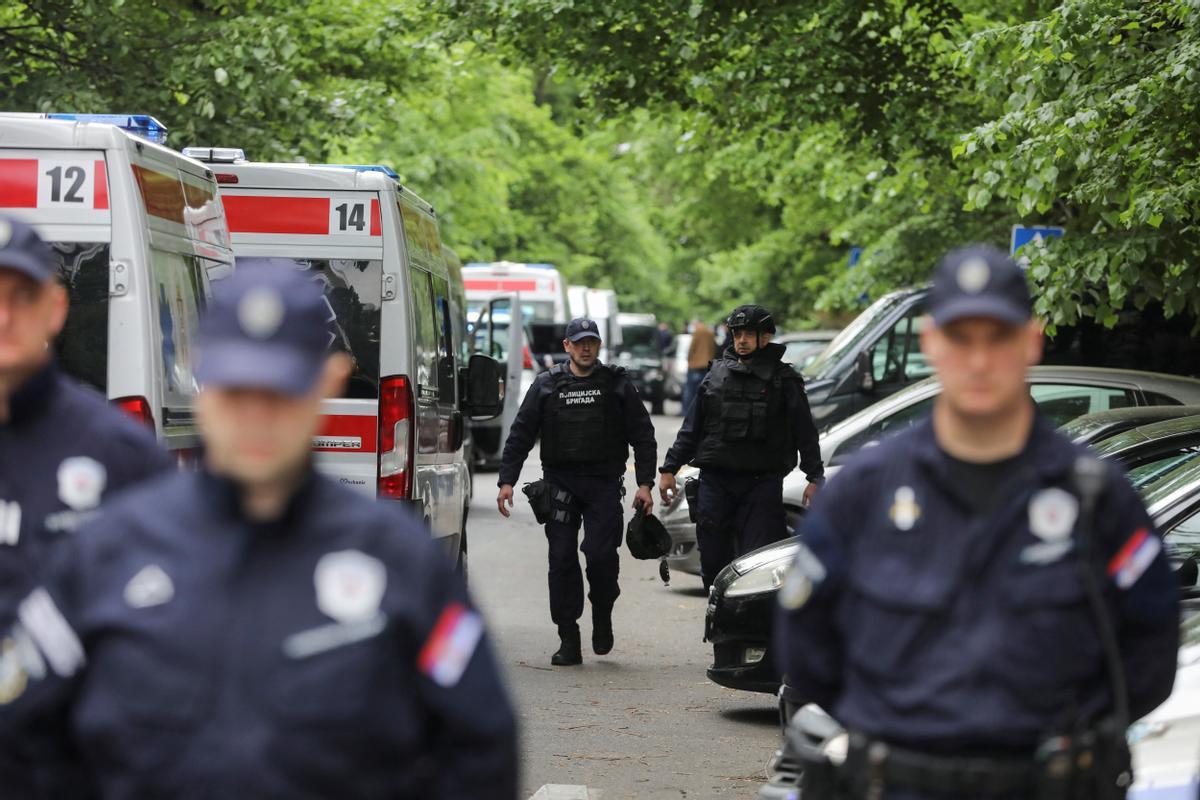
[[746, 426], [582, 421]]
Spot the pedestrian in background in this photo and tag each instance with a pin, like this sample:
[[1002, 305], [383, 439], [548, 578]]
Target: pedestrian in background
[[701, 352], [982, 604], [587, 415], [744, 430], [253, 629]]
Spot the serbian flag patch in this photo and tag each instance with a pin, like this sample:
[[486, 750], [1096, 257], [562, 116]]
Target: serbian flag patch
[[1134, 558], [447, 652]]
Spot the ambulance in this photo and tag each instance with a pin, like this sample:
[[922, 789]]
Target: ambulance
[[542, 290], [373, 246], [139, 233]]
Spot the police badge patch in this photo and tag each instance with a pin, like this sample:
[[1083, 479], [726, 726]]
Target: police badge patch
[[81, 482], [350, 585]]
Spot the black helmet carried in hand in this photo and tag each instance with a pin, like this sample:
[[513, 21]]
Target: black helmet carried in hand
[[751, 318], [647, 537]]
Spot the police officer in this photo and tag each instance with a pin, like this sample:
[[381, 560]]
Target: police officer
[[588, 414], [254, 629], [964, 580], [63, 448], [749, 419]]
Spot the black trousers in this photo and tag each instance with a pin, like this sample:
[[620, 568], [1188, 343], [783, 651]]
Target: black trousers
[[596, 502], [737, 513]]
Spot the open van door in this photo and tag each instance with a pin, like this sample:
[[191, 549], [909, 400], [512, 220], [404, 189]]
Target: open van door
[[499, 333]]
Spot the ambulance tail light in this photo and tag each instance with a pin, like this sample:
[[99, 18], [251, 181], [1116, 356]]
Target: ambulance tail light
[[136, 407], [226, 177], [395, 437], [528, 358]]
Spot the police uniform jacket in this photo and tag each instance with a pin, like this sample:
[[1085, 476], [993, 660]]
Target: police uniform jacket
[[63, 451], [192, 653], [792, 431], [635, 428], [913, 619]]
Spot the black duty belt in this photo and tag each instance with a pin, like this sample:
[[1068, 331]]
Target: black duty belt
[[898, 768]]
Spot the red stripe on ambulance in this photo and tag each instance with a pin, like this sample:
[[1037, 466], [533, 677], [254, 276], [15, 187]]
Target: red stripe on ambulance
[[376, 220], [18, 182], [500, 285], [101, 191], [258, 214]]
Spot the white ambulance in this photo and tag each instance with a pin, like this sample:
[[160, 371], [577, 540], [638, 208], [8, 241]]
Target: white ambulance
[[374, 248], [139, 233], [541, 287]]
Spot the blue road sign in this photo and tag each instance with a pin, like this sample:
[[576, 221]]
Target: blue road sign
[[1024, 234]]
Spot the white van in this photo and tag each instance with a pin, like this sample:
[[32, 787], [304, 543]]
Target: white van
[[602, 307], [139, 233], [374, 248], [541, 288]]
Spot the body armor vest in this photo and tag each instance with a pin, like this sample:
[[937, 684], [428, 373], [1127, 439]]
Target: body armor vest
[[746, 426], [582, 421]]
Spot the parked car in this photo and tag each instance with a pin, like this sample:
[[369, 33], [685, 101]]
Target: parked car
[[803, 347], [1166, 757], [1092, 428], [740, 608], [675, 363], [639, 353], [879, 353], [1061, 392]]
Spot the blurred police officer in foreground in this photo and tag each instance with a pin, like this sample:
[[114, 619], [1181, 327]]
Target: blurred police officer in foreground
[[63, 448], [253, 629], [981, 604], [749, 419], [588, 414]]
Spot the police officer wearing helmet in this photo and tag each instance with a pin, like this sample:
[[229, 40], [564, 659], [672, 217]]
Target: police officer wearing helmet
[[254, 629], [981, 603], [749, 420], [588, 414]]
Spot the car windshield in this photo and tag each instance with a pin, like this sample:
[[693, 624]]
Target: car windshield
[[1149, 473], [853, 334], [1168, 482], [639, 340]]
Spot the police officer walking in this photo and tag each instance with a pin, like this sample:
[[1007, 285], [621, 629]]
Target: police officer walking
[[588, 414], [63, 448], [981, 603], [254, 629], [748, 421]]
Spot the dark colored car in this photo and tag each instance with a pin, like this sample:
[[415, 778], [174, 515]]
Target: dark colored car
[[879, 353], [641, 356], [1092, 428], [1163, 460]]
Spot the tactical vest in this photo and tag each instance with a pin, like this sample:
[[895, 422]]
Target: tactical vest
[[582, 421], [746, 425]]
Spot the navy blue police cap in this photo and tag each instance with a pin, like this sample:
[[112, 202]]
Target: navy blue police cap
[[979, 281], [582, 328], [23, 251], [266, 327]]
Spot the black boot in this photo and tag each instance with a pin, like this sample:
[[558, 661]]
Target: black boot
[[570, 651], [602, 632]]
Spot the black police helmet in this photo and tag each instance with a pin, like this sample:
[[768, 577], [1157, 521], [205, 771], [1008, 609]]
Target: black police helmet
[[751, 317], [647, 537]]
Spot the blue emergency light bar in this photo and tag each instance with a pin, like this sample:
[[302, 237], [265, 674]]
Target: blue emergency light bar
[[143, 125], [391, 173]]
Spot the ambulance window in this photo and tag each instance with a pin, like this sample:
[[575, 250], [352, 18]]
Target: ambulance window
[[179, 295], [445, 322], [424, 328], [83, 344], [354, 291]]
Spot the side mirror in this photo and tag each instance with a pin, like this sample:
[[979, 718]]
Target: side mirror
[[484, 397], [866, 375]]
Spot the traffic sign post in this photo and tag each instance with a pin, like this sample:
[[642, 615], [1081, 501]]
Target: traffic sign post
[[1024, 234]]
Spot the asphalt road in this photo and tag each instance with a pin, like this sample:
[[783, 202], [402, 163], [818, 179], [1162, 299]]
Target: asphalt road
[[642, 722]]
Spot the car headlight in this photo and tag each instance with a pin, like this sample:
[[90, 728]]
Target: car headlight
[[767, 578]]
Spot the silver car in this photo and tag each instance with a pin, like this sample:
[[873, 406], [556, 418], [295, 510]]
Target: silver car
[[1062, 394]]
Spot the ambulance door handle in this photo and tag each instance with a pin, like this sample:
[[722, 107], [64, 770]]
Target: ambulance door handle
[[119, 275], [390, 282]]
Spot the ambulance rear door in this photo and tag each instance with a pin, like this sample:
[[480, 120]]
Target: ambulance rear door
[[336, 236], [496, 335]]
